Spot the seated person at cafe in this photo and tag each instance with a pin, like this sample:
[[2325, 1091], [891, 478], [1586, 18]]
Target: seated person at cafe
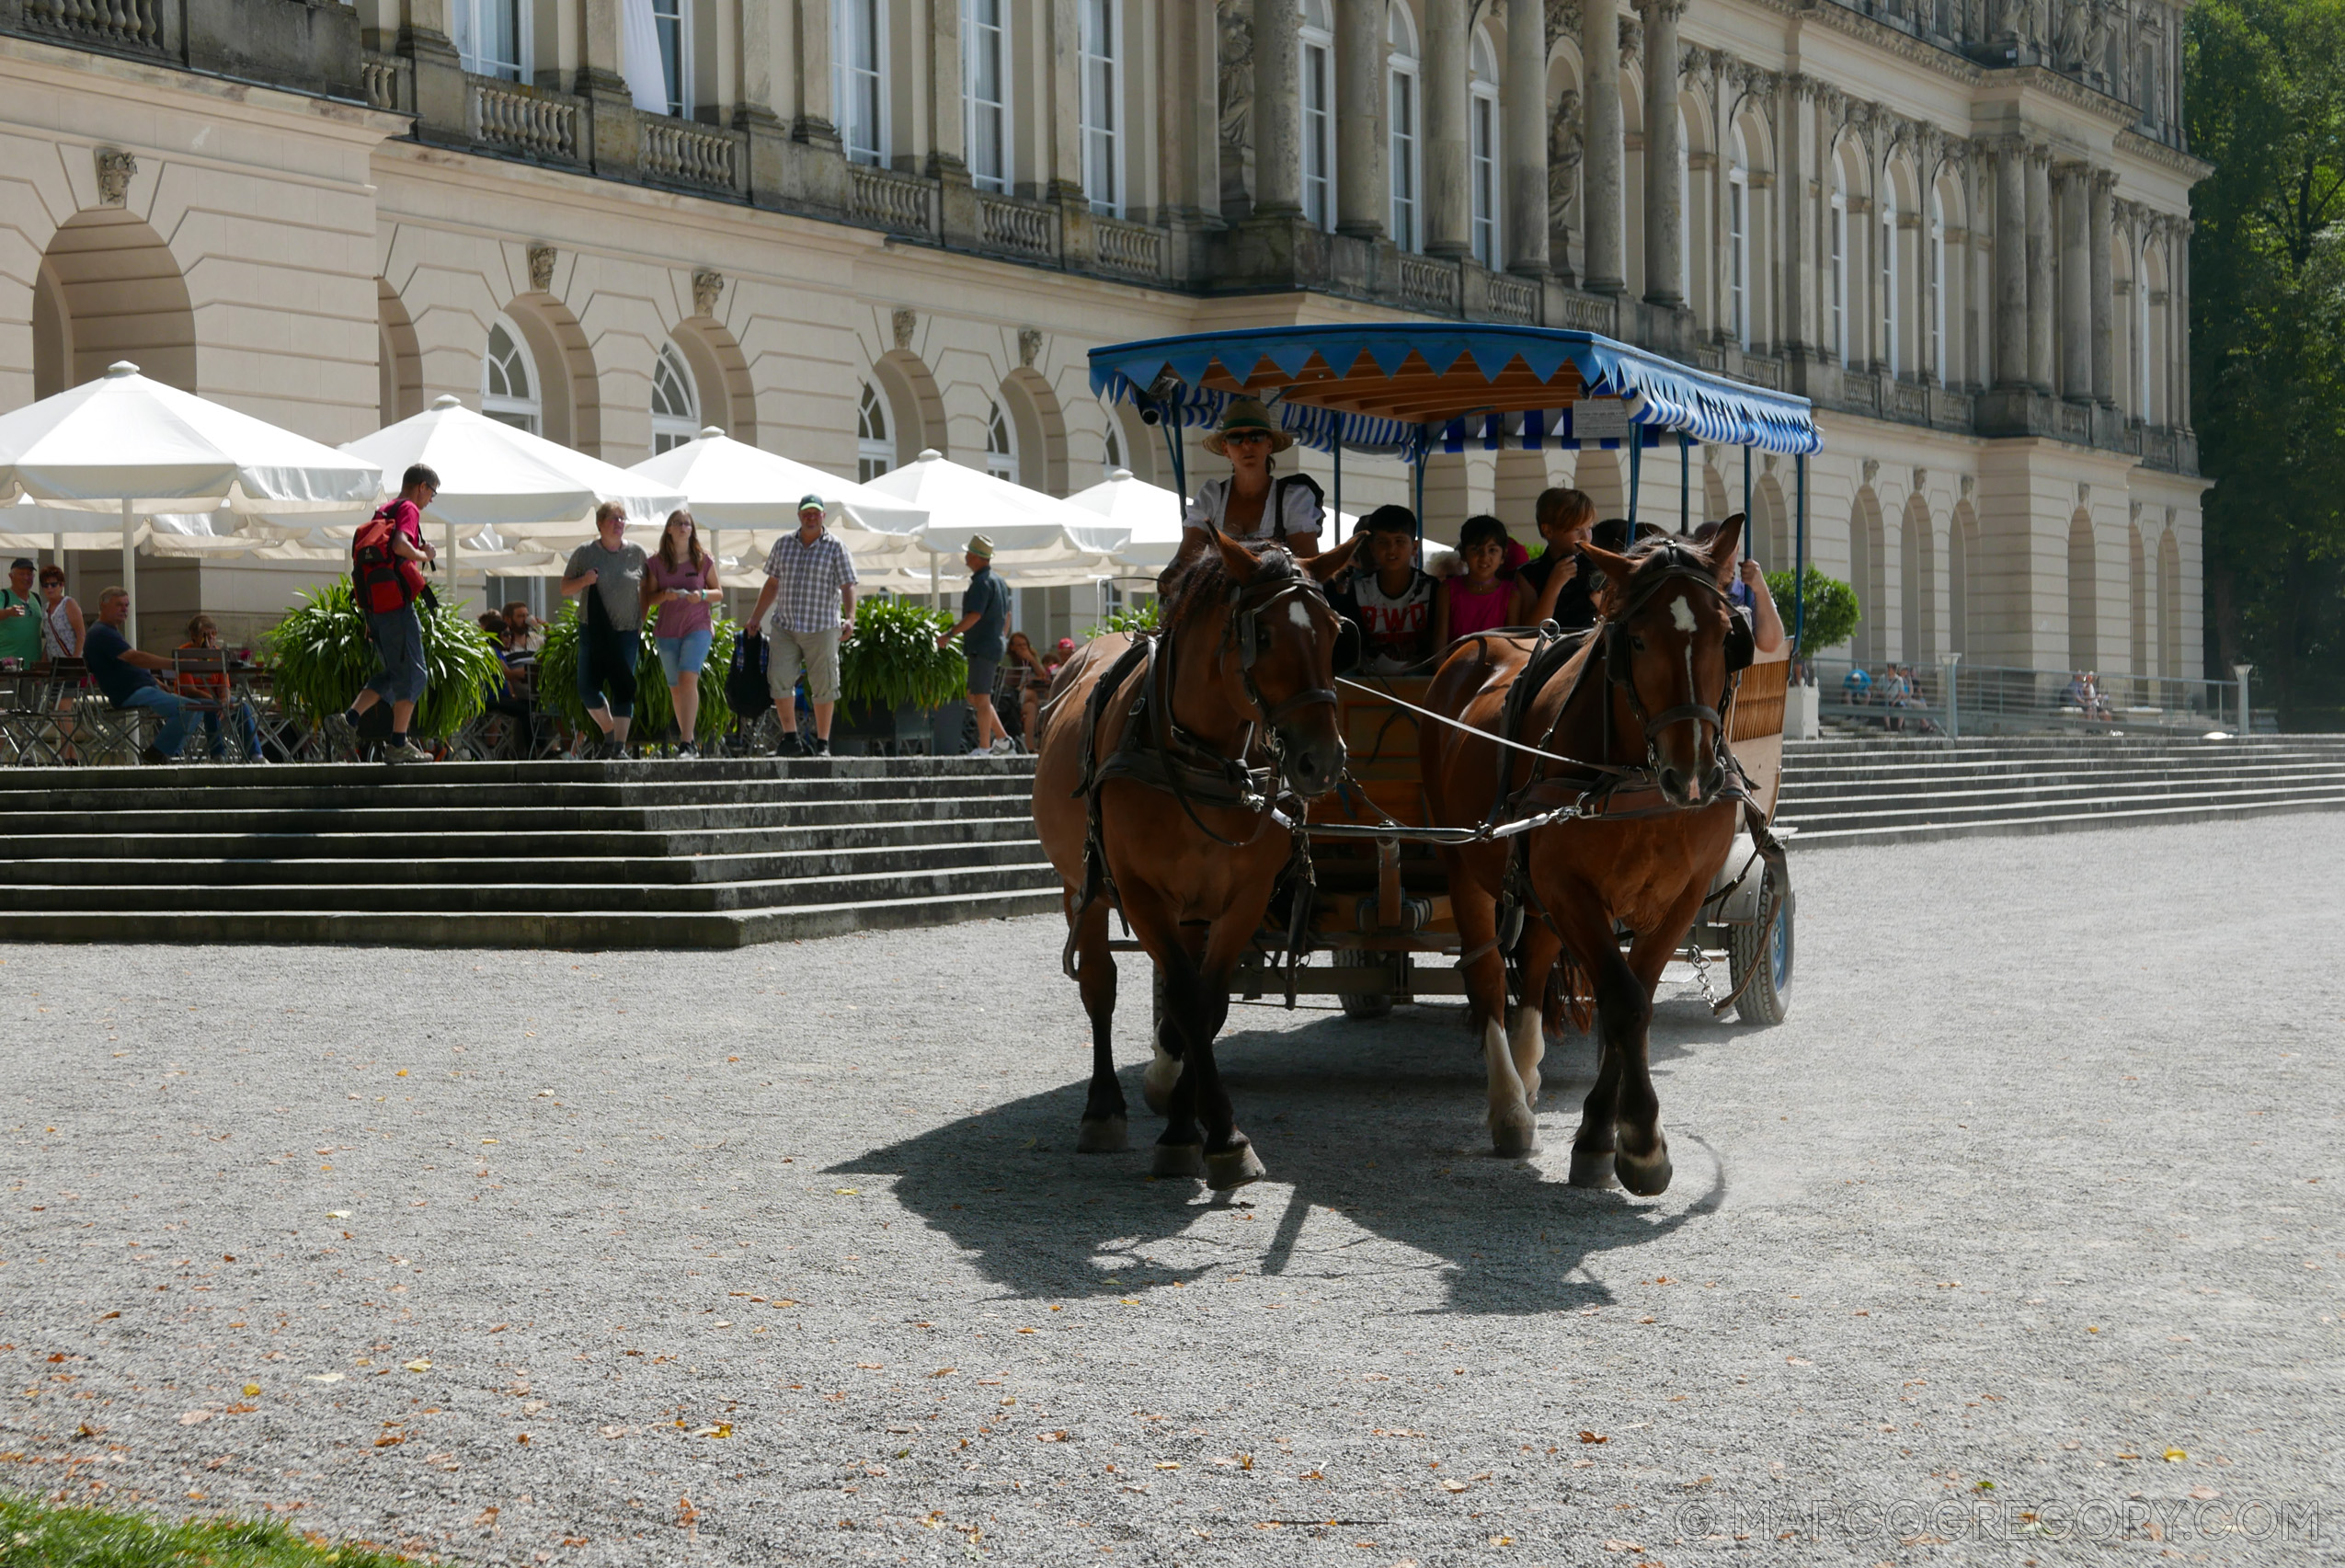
[[523, 633], [127, 675], [209, 693], [1386, 596]]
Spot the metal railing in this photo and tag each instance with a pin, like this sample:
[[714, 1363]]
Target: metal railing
[[1982, 700]]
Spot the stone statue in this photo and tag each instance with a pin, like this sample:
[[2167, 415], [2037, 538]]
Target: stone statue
[[1566, 142], [1236, 73]]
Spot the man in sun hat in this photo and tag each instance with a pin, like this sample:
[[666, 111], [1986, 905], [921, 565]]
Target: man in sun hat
[[985, 617], [1250, 505], [810, 589]]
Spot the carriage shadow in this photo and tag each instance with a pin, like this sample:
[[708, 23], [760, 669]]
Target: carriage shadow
[[1379, 1121]]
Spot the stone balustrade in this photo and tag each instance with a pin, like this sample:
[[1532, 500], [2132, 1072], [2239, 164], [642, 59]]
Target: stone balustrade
[[529, 121], [900, 203], [1028, 229], [1136, 251], [681, 153]]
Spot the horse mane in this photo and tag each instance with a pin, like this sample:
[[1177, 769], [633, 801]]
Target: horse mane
[[1206, 580]]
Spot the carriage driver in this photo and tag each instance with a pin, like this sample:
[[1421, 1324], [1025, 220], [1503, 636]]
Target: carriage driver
[[1250, 505]]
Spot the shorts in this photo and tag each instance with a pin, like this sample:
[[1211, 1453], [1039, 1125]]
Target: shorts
[[398, 636], [684, 655], [982, 673], [816, 653]]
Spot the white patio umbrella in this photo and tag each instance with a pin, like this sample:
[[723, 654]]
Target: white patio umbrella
[[1038, 540], [524, 486], [135, 448], [732, 485]]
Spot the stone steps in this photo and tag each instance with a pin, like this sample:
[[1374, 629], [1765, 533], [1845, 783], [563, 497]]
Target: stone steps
[[547, 854], [1884, 791]]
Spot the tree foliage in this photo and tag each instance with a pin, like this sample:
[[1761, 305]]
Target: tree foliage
[[321, 656], [557, 680], [2265, 103], [1831, 609]]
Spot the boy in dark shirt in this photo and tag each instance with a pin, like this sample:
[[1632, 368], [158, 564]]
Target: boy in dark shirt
[[1553, 586]]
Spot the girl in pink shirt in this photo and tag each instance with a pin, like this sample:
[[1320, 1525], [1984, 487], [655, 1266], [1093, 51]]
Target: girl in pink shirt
[[1478, 599]]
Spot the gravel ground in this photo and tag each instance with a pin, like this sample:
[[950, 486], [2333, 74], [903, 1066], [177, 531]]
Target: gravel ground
[[2019, 1242]]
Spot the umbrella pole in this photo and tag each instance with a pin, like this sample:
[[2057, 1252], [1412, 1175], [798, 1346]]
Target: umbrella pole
[[131, 569], [1685, 482], [1746, 503], [455, 571], [1636, 471], [1336, 533], [935, 593]]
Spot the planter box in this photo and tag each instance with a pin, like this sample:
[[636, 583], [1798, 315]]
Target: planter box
[[908, 731]]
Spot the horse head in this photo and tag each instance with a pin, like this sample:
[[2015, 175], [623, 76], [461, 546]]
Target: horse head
[[1664, 621], [1276, 661]]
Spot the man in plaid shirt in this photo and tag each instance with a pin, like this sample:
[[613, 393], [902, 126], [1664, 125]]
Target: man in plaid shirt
[[810, 588]]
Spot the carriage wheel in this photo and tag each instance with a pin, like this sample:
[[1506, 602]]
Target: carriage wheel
[[1765, 955], [1364, 1004]]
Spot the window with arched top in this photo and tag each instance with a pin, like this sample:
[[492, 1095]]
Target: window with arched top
[[1738, 244], [1836, 285], [675, 406], [1482, 114], [875, 452], [1316, 61], [1001, 445], [1102, 45], [985, 90], [509, 391], [1403, 109], [1935, 309], [859, 77], [1888, 244]]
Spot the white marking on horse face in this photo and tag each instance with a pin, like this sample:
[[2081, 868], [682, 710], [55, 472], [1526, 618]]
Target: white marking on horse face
[[1298, 614], [1681, 614]]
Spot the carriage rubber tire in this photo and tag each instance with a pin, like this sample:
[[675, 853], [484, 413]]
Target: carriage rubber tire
[[1364, 1004], [1766, 1002]]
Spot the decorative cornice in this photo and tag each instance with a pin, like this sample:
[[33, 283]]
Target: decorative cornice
[[1893, 40], [2172, 159]]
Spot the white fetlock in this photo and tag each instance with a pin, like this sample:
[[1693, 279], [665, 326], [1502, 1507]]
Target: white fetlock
[[1513, 1129], [1155, 1083], [1527, 1045]]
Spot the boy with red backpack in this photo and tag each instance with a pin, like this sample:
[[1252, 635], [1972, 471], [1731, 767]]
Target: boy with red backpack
[[386, 580]]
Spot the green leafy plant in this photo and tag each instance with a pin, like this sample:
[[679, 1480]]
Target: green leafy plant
[[557, 680], [1832, 610], [1148, 615], [892, 661], [321, 656]]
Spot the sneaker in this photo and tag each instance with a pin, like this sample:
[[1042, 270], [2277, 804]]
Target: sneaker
[[821, 746], [982, 751], [342, 734], [1005, 747], [403, 751], [155, 757], [686, 748], [790, 745]]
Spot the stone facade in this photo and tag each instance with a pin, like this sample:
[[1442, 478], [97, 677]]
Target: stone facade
[[871, 226]]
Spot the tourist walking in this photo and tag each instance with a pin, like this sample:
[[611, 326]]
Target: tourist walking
[[810, 589], [387, 581], [610, 625], [985, 618], [125, 675], [682, 582]]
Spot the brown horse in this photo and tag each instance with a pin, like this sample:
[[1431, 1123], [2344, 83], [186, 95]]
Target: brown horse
[[1159, 762], [1632, 725]]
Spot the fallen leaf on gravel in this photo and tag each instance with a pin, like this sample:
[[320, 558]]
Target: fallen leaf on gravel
[[1594, 1437], [86, 1430], [1622, 1546], [2175, 1456], [1374, 1378], [1501, 1541], [1797, 1361], [1453, 1486], [441, 1461], [390, 1440], [195, 1417], [498, 1328], [523, 1439], [419, 1365], [614, 1431], [2128, 1455], [847, 1192], [488, 1140], [323, 1378], [943, 1372], [103, 1316], [722, 1429], [337, 1214], [1168, 1464], [1061, 1436], [252, 1390], [870, 1365], [487, 1516], [2205, 1493]]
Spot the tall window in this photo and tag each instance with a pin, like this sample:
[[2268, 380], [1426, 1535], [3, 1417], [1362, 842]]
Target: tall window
[[1482, 110], [509, 387], [1318, 66], [492, 38], [672, 20], [874, 453], [1001, 446], [2142, 334], [1836, 278], [1401, 118], [675, 409], [859, 77], [1738, 250], [1888, 280], [1937, 289], [985, 90], [1103, 106]]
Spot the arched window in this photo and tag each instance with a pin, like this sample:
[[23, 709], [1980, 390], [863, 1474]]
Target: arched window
[[985, 90], [1936, 305], [1316, 61], [875, 453], [1103, 106], [1001, 445], [675, 409], [1888, 279], [509, 392], [1482, 110], [859, 77], [493, 38], [1400, 115], [1738, 246], [1837, 271]]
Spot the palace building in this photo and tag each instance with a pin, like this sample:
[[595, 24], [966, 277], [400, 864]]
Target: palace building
[[849, 229]]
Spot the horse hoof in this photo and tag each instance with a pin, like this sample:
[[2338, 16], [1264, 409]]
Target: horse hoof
[[1105, 1135], [1648, 1177], [1511, 1141], [1592, 1168], [1232, 1168], [1178, 1160]]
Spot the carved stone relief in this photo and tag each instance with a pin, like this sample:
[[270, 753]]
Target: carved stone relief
[[708, 287], [115, 171], [541, 268]]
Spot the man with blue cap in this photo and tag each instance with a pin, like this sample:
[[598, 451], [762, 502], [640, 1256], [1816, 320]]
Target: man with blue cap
[[810, 589]]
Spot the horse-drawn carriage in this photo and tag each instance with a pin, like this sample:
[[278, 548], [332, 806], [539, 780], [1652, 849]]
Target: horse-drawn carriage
[[1397, 882]]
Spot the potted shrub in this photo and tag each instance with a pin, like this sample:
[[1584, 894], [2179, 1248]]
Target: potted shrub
[[557, 683], [895, 684], [320, 657]]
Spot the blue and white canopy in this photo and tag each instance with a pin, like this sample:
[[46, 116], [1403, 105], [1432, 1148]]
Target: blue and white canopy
[[1406, 388]]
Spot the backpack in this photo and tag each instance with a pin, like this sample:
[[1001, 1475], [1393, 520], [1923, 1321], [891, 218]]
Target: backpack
[[380, 578], [745, 688]]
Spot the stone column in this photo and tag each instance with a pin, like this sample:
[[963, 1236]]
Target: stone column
[[2010, 299], [1524, 82], [1794, 103], [949, 123], [814, 123], [1277, 110], [1665, 151], [2180, 335], [1601, 218], [1362, 190], [2104, 300], [1065, 43], [1449, 200], [616, 135], [2039, 295], [2075, 286]]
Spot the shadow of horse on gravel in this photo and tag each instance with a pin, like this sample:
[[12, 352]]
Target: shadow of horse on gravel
[[1376, 1120]]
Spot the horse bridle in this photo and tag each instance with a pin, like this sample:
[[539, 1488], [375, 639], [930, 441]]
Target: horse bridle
[[1616, 669], [1248, 601]]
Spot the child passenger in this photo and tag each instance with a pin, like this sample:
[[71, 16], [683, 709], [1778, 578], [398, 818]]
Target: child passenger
[[1481, 599], [1387, 597]]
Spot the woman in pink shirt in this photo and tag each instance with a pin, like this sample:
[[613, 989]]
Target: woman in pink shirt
[[1477, 598], [682, 581]]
